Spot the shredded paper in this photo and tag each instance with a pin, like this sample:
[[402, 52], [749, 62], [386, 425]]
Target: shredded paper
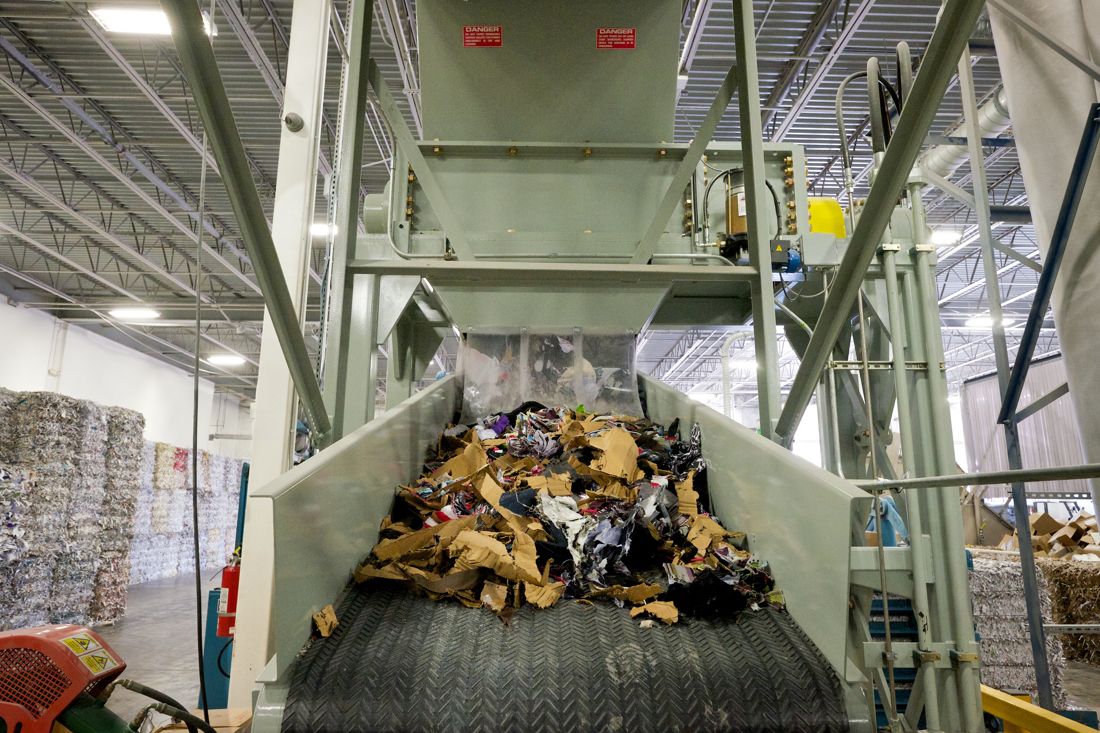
[[79, 503]]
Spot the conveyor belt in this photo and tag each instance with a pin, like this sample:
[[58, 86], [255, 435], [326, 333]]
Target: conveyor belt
[[398, 662]]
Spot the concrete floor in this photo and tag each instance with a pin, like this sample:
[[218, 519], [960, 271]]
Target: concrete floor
[[157, 641]]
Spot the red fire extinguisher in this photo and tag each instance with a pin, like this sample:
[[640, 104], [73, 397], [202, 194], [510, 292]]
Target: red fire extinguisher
[[227, 601]]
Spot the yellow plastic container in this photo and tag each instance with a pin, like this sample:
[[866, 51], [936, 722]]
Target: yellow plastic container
[[826, 216]]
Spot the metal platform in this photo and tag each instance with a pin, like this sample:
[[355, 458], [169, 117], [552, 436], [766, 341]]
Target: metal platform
[[398, 662]]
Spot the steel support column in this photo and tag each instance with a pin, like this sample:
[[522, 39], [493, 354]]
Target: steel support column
[[287, 257], [752, 151], [201, 68], [947, 44], [349, 167]]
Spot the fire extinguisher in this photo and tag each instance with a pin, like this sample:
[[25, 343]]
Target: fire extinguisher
[[227, 600]]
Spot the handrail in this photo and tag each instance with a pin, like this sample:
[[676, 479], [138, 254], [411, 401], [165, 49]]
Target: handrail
[[1023, 717]]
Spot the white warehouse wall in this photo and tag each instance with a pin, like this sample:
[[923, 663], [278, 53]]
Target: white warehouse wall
[[45, 354]]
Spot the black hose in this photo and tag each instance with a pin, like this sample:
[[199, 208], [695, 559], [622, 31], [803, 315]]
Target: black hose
[[157, 695], [845, 154], [221, 654], [193, 722]]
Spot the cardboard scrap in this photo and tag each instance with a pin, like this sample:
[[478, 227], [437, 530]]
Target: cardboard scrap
[[619, 454], [687, 496], [482, 550], [632, 594], [543, 596], [325, 621], [704, 531], [494, 595], [662, 610]]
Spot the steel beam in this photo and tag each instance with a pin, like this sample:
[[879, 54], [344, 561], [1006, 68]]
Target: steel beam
[[107, 137], [506, 271], [349, 165], [832, 56], [202, 72], [948, 41], [752, 149], [985, 478]]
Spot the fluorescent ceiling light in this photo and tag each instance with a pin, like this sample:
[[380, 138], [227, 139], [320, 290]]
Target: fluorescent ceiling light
[[321, 229], [225, 359], [150, 21], [946, 236], [986, 321], [743, 364], [134, 314]]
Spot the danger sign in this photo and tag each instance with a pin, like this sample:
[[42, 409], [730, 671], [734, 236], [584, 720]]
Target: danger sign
[[615, 37], [482, 36]]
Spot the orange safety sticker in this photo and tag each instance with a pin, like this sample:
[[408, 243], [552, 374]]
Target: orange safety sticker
[[482, 36], [616, 38]]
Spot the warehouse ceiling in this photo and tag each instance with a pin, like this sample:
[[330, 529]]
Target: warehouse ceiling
[[101, 168]]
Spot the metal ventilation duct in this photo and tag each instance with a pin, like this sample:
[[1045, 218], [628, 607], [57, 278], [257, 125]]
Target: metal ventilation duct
[[993, 120]]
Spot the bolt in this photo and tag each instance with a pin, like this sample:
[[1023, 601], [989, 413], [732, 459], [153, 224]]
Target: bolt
[[437, 150], [662, 153], [588, 152], [513, 151], [788, 182], [294, 122]]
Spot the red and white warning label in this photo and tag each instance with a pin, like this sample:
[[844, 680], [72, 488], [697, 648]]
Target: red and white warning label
[[482, 36], [616, 37]]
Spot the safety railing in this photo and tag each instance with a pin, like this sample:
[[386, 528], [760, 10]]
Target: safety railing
[[1020, 716]]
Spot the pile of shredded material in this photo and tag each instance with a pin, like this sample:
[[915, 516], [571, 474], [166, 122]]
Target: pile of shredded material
[[540, 504]]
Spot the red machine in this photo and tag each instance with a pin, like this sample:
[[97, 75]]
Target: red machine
[[44, 669], [227, 601]]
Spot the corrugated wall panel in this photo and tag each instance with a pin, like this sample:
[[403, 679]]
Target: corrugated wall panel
[[1050, 437]]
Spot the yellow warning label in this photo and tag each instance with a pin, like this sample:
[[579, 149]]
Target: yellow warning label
[[80, 643], [778, 248], [99, 661]]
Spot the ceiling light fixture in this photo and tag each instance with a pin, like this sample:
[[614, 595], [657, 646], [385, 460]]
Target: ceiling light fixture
[[139, 21], [321, 229], [134, 315], [229, 360], [946, 236]]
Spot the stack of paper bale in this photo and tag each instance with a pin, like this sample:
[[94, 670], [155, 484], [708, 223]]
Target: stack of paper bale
[[75, 567], [124, 465], [1075, 598], [1077, 539], [1000, 619], [17, 577], [143, 545], [232, 478], [45, 436]]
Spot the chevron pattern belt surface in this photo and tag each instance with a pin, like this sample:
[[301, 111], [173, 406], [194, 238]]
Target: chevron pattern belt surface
[[398, 662]]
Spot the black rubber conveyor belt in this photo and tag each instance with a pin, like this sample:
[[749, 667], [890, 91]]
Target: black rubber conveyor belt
[[398, 662]]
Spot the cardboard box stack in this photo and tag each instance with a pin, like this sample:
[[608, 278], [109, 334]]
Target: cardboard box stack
[[1077, 539]]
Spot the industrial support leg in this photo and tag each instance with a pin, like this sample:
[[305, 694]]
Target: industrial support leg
[[1000, 352], [349, 167], [926, 658], [276, 406], [763, 312]]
